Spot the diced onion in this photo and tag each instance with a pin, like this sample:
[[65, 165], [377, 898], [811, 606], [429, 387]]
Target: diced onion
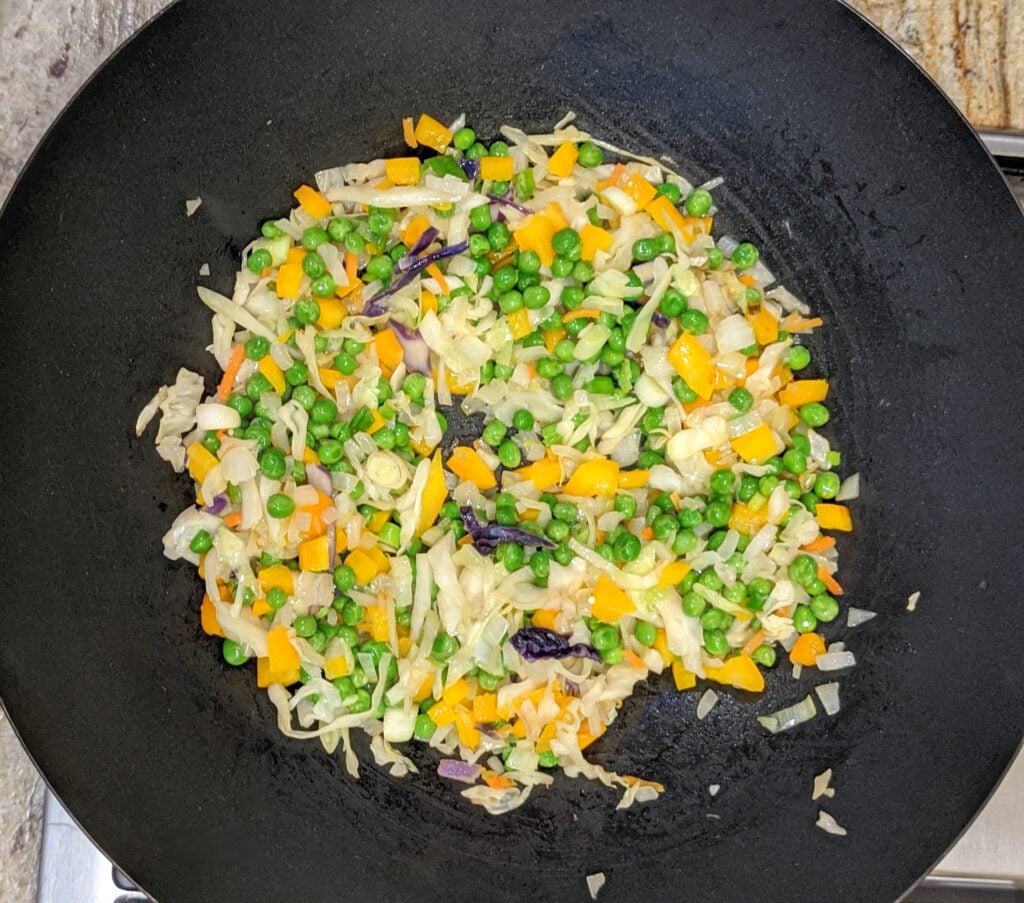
[[835, 661], [850, 488], [829, 696], [707, 702], [789, 717], [829, 825], [857, 616], [821, 785], [594, 884]]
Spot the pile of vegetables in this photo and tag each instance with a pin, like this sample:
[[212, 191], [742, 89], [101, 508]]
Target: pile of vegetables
[[648, 493]]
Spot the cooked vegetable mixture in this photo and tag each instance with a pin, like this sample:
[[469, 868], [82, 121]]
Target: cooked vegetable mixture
[[648, 491]]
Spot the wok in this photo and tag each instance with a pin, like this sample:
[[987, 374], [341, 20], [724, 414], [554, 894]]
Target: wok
[[868, 195]]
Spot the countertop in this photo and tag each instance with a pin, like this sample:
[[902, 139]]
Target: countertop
[[973, 48]]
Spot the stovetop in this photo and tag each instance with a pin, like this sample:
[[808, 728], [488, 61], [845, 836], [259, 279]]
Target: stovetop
[[985, 866]]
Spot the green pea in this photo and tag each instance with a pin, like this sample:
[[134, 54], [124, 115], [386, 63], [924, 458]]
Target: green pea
[[523, 420], [826, 485], [684, 541], [323, 411], [803, 569], [764, 655], [698, 202], [798, 357], [604, 637], [304, 626], [645, 249], [463, 140], [583, 271], [561, 387], [385, 438], [741, 399], [795, 461], [715, 258], [561, 267], [337, 229], [498, 235], [234, 653], [801, 442], [715, 642], [259, 260], [361, 703], [712, 619], [804, 620], [257, 348], [535, 297], [672, 303], [480, 218], [494, 433], [563, 554], [297, 374], [307, 311], [824, 607], [201, 542], [444, 647], [313, 237], [744, 256], [324, 286], [477, 151], [344, 578], [718, 513], [424, 727], [694, 321], [627, 547], [645, 632], [280, 505], [589, 155], [612, 656], [671, 191], [270, 229], [509, 454], [272, 464], [814, 414], [565, 241], [380, 267]]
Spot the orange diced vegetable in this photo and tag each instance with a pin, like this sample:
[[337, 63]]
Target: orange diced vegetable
[[332, 313], [282, 654], [750, 645], [378, 423], [403, 170], [694, 364], [803, 391], [230, 372], [377, 520], [289, 280], [428, 302], [498, 782], [684, 680], [275, 376], [466, 464], [335, 667], [376, 623], [833, 517], [544, 474], [497, 169], [661, 646], [745, 519], [544, 617], [455, 693], [740, 671], [757, 445], [279, 577], [208, 618], [425, 689], [468, 734], [534, 234], [833, 585], [819, 544], [314, 203], [435, 272], [519, 323], [585, 738], [389, 350], [350, 267], [432, 133], [806, 649], [633, 479], [552, 337], [672, 573], [417, 226], [485, 707], [314, 554], [296, 255], [364, 566], [409, 132], [610, 602], [261, 607], [330, 378], [795, 323], [563, 160], [598, 476], [265, 676], [593, 239], [766, 327], [638, 188], [200, 461], [665, 214], [434, 493], [582, 313]]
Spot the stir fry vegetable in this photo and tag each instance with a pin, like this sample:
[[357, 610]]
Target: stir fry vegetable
[[647, 494]]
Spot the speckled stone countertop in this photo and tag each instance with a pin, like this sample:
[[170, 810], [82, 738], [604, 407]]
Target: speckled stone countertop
[[973, 48]]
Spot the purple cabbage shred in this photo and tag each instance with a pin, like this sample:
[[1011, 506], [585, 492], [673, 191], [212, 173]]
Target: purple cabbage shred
[[535, 643], [487, 538]]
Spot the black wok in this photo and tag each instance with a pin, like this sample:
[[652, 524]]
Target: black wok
[[868, 195]]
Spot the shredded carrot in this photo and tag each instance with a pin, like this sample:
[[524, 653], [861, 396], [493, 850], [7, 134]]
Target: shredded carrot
[[756, 640], [630, 656], [647, 533], [498, 782], [409, 132], [230, 372], [616, 174], [350, 267], [833, 585], [748, 280], [233, 520], [435, 271], [796, 323], [587, 312], [820, 544]]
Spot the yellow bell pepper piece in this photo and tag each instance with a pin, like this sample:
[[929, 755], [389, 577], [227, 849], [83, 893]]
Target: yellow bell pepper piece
[[741, 672], [434, 494], [282, 655], [265, 676], [378, 423], [672, 573], [336, 667], [563, 160], [466, 464], [534, 234], [519, 323], [454, 694], [432, 133], [806, 649], [757, 445], [661, 647], [745, 519], [684, 680], [417, 226], [638, 188], [314, 554], [694, 364], [766, 327], [665, 214], [833, 517], [552, 337], [332, 313], [208, 618], [376, 622], [200, 461], [610, 602], [485, 707], [426, 688], [377, 521], [330, 378], [314, 203], [364, 566], [428, 302], [468, 734], [633, 479], [584, 738], [261, 607], [275, 376], [497, 169], [545, 473], [464, 388], [309, 456], [803, 391], [289, 280], [403, 170], [593, 239], [544, 617], [277, 577], [598, 476], [389, 350]]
